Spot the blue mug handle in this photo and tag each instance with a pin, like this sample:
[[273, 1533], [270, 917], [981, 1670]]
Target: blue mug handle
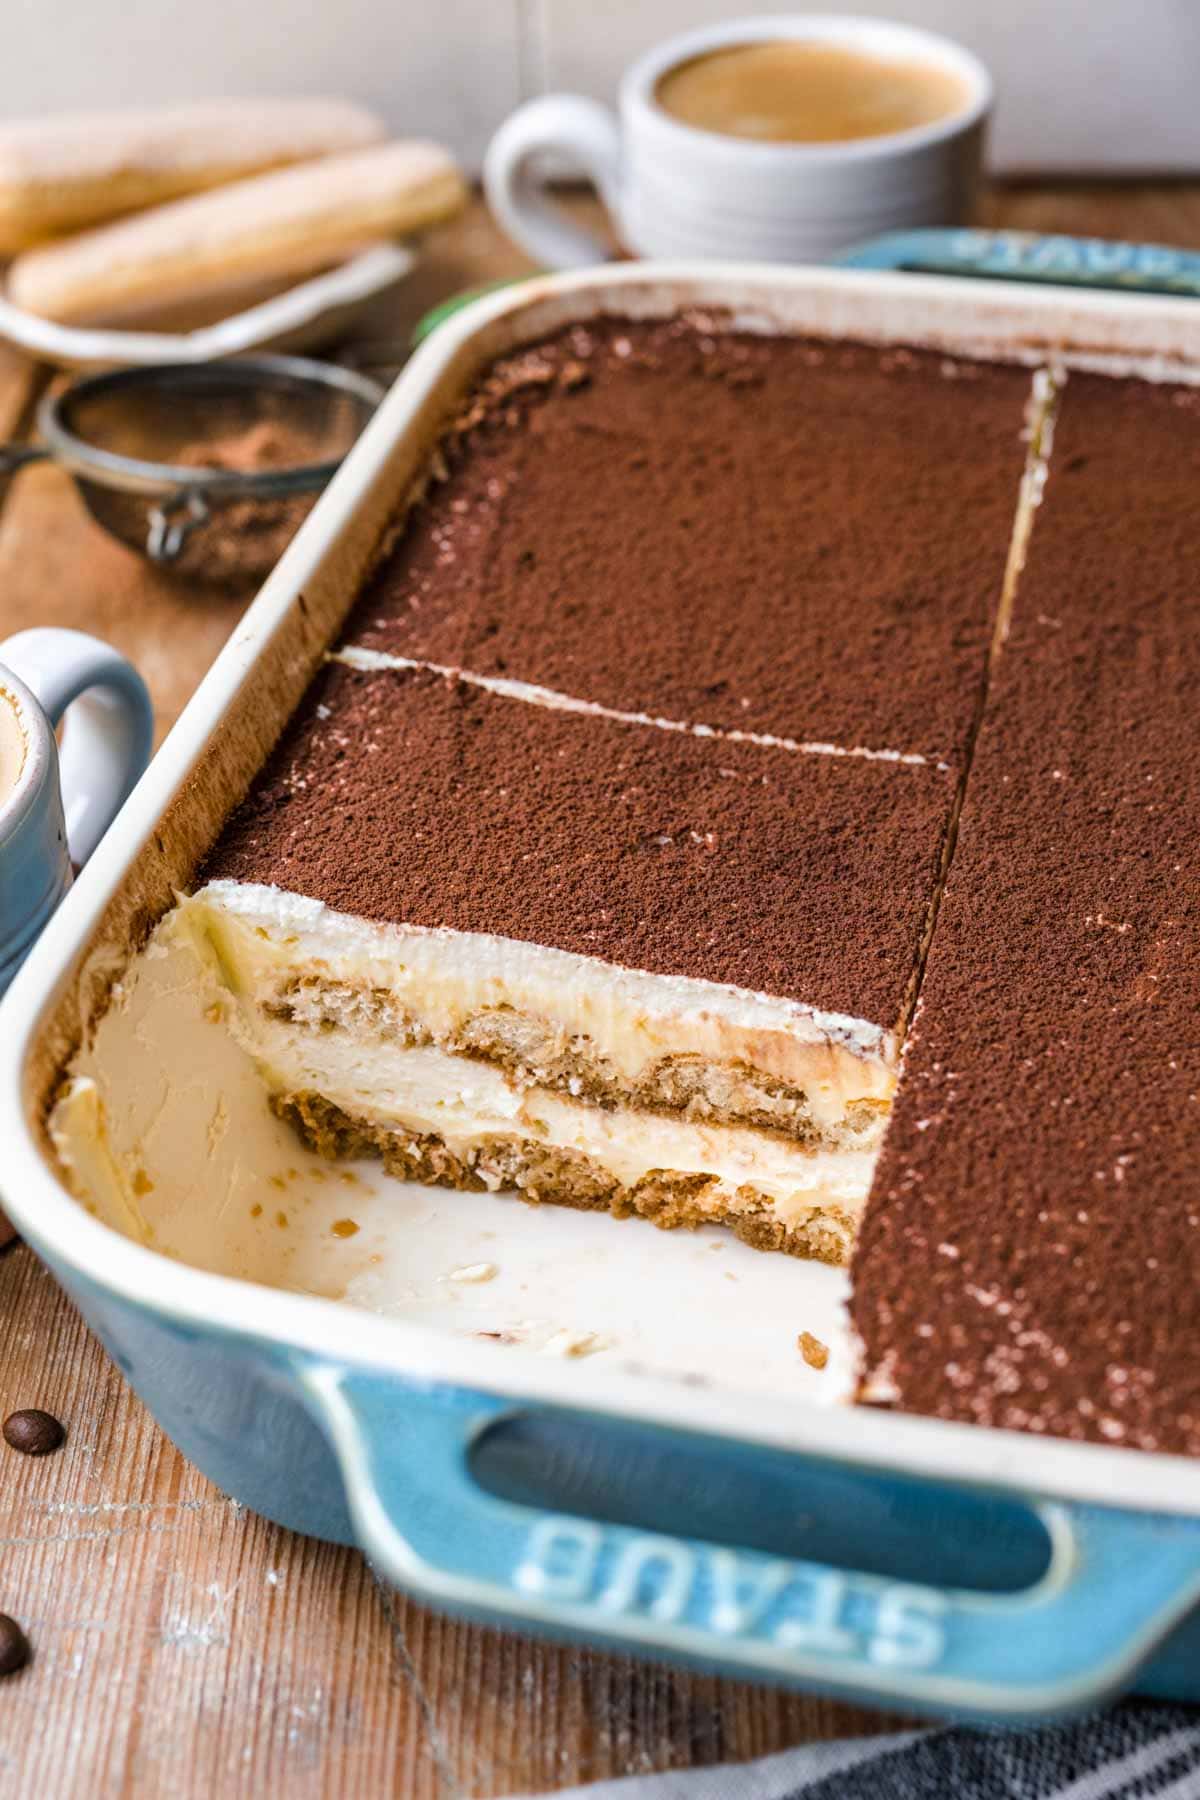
[[109, 722], [1115, 1584], [68, 797], [1033, 257]]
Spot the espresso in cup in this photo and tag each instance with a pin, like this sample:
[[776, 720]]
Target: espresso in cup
[[12, 747], [789, 92]]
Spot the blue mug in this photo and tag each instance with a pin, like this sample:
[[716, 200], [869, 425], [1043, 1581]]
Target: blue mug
[[55, 806]]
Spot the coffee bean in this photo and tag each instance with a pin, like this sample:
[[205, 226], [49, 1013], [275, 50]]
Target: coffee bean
[[14, 1646], [33, 1431]]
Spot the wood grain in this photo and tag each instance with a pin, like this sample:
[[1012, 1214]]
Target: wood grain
[[1162, 212], [19, 379], [184, 1647], [58, 568]]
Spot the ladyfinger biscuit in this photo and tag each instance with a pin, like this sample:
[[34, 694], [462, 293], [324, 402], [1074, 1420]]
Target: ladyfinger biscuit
[[284, 224], [66, 173]]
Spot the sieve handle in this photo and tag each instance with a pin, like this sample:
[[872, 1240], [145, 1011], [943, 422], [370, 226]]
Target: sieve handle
[[18, 456]]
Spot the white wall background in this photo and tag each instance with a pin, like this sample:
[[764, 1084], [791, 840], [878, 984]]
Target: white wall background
[[1084, 84]]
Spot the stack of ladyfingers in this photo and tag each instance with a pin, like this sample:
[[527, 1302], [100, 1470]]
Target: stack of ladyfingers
[[110, 213]]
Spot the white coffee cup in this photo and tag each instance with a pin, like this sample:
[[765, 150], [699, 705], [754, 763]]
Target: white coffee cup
[[676, 191]]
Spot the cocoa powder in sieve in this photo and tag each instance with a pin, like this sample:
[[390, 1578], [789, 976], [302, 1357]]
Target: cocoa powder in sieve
[[246, 536]]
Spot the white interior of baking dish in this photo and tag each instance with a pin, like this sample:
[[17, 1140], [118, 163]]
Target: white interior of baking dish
[[171, 1141], [187, 1136]]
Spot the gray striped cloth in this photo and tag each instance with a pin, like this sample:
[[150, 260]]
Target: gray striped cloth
[[1130, 1752]]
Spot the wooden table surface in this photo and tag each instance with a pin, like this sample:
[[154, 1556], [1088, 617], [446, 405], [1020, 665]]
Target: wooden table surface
[[183, 1647]]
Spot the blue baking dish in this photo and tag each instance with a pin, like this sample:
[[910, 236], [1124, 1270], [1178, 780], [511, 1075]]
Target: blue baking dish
[[885, 1558]]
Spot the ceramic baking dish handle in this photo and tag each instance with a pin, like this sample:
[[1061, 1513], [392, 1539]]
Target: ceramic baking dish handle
[[1114, 1584], [1032, 257]]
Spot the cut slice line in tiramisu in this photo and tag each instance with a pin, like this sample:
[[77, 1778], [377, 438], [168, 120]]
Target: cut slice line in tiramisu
[[354, 656]]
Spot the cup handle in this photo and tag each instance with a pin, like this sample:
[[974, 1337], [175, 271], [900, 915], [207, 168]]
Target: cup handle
[[580, 132], [109, 727]]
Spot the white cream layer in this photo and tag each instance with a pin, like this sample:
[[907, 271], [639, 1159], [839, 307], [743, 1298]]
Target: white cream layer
[[469, 1105], [263, 936]]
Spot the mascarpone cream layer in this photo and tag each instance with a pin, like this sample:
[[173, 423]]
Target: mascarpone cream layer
[[263, 937], [470, 1104]]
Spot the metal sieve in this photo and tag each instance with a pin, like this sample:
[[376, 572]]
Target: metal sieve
[[155, 451]]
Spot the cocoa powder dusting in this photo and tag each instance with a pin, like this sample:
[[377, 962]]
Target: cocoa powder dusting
[[760, 533], [1030, 1257]]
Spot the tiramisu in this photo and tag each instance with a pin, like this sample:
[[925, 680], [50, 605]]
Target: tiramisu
[[600, 861], [1031, 1254], [731, 715]]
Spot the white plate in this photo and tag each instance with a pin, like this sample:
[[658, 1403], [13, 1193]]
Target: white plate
[[295, 319]]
